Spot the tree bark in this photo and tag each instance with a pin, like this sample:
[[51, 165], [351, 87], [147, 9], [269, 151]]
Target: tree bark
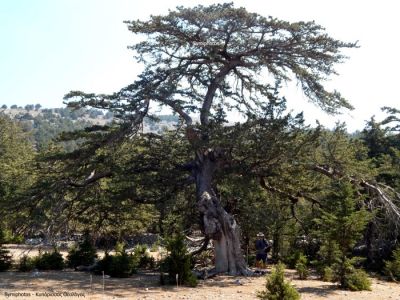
[[218, 225], [276, 245]]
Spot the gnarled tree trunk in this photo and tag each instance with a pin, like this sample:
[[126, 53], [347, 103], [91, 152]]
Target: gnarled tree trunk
[[218, 224]]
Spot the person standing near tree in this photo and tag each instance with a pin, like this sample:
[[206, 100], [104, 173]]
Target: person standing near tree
[[262, 248]]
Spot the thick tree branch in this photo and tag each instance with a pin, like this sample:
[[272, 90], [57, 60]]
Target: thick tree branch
[[293, 198], [93, 177], [205, 110], [178, 109]]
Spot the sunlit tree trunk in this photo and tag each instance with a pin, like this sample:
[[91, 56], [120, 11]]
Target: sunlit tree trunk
[[218, 225]]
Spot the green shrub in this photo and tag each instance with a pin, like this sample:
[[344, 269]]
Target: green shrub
[[191, 281], [328, 274], [357, 281], [83, 255], [350, 277], [178, 262], [11, 238], [104, 264], [328, 254], [120, 265], [292, 259], [26, 264], [73, 257], [392, 268], [155, 247], [251, 260], [50, 261], [5, 259], [143, 257], [277, 288], [301, 267], [340, 225]]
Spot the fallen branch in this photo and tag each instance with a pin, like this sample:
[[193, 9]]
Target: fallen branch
[[202, 248], [374, 189]]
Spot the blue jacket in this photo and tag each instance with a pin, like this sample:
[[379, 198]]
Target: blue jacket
[[262, 246]]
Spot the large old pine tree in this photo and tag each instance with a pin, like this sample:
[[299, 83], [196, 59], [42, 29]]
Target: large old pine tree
[[202, 62]]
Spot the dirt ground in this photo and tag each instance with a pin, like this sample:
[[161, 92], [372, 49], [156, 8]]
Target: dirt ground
[[79, 285]]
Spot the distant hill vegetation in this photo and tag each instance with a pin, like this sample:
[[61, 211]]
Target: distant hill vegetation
[[45, 124]]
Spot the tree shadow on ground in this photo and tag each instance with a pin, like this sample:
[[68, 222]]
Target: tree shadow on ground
[[322, 290]]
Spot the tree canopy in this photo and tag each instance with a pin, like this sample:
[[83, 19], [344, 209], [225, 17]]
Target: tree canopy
[[198, 58]]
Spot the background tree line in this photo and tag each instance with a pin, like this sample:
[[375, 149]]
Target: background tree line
[[154, 196]]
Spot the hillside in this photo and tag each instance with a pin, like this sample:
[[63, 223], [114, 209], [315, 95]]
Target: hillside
[[45, 124]]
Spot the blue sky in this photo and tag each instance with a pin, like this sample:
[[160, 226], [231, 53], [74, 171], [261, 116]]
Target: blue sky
[[49, 47]]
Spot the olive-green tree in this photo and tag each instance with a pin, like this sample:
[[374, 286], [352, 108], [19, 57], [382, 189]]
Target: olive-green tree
[[17, 170], [340, 225]]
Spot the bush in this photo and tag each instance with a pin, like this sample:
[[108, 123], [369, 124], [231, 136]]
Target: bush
[[50, 261], [120, 265], [5, 259], [156, 245], [339, 227], [251, 260], [292, 259], [328, 254], [84, 255], [277, 288], [178, 262], [328, 274], [26, 264], [11, 238], [301, 267], [143, 258], [357, 281], [392, 268], [350, 277], [104, 265]]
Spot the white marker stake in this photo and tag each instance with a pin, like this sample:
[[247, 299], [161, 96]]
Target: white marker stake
[[177, 280]]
